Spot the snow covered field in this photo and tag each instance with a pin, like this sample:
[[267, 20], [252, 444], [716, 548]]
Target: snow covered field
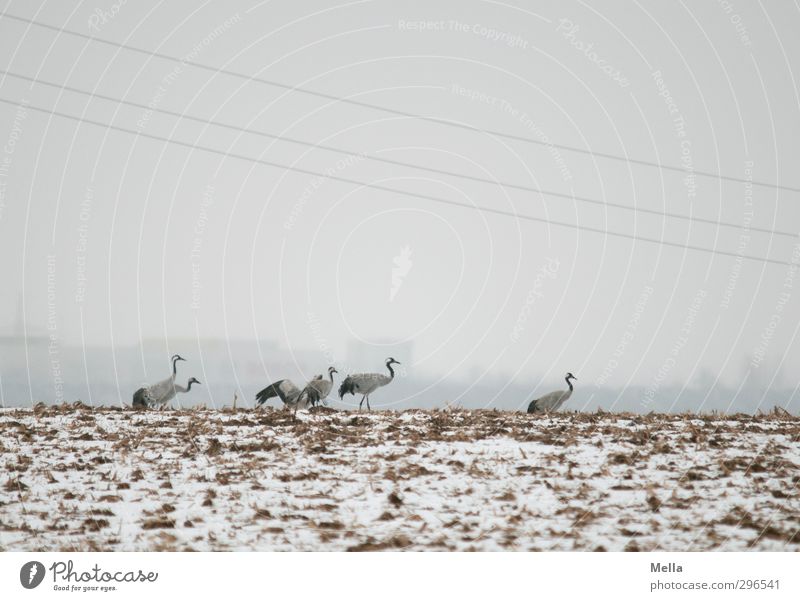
[[76, 478]]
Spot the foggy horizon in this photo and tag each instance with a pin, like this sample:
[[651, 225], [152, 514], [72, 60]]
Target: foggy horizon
[[504, 193]]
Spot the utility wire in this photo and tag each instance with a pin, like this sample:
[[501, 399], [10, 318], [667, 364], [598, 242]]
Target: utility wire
[[389, 189], [392, 111], [475, 178]]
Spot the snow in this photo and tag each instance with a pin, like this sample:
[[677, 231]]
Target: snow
[[77, 478]]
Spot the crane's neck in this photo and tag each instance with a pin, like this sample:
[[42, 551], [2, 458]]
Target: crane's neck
[[330, 373], [174, 367], [569, 383], [391, 371], [186, 388]]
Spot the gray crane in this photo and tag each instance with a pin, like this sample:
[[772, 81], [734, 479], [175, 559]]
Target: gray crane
[[553, 400], [143, 398], [366, 384], [160, 392], [315, 390], [187, 388]]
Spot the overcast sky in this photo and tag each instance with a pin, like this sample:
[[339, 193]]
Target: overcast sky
[[175, 227]]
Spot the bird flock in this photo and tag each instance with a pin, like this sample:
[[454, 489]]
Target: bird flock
[[317, 389]]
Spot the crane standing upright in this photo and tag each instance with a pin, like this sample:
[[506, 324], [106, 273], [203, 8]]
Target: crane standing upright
[[366, 384], [553, 400]]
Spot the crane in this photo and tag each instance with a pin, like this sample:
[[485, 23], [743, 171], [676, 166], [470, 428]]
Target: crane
[[160, 392], [366, 384], [552, 400], [315, 390]]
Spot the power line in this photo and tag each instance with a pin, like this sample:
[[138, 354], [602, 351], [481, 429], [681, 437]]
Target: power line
[[484, 180], [391, 111], [389, 189]]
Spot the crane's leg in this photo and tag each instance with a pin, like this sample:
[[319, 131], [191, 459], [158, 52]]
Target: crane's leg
[[368, 407], [362, 402]]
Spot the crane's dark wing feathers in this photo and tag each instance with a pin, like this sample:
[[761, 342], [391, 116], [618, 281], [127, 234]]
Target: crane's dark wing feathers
[[310, 396], [271, 391], [347, 387], [140, 398]]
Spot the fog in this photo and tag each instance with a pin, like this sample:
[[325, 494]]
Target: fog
[[472, 188]]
